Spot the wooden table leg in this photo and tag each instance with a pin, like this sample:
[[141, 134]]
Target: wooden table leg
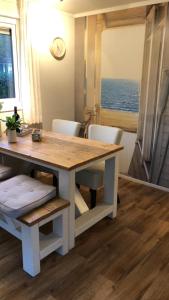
[[67, 192], [111, 183]]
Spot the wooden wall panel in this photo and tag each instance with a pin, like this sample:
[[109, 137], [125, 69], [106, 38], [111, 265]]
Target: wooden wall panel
[[143, 90], [145, 72], [100, 27], [90, 60], [80, 25], [152, 88], [160, 175]]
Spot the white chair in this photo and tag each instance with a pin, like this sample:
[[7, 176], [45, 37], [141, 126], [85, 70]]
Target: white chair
[[93, 176], [70, 128], [66, 127]]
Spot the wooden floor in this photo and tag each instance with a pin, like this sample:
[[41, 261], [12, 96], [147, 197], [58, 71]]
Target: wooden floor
[[124, 259]]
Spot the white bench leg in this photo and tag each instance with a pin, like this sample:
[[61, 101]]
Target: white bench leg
[[30, 249], [60, 227]]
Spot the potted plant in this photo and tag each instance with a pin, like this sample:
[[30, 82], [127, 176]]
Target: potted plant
[[12, 125]]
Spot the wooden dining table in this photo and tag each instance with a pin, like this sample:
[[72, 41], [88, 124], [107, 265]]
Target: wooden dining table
[[66, 155]]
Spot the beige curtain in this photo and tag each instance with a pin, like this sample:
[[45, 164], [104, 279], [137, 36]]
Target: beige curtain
[[29, 67]]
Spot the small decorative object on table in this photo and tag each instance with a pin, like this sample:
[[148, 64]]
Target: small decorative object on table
[[36, 135], [24, 130]]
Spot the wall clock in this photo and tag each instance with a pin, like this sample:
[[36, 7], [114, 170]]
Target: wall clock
[[58, 48]]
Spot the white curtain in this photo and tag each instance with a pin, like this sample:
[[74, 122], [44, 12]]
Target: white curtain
[[29, 67]]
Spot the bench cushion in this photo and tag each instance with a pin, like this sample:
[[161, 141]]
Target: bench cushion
[[22, 194], [5, 172]]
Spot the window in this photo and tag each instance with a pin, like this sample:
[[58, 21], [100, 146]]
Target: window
[[7, 83], [8, 64]]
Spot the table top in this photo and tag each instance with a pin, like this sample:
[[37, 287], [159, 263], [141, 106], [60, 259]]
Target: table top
[[58, 150]]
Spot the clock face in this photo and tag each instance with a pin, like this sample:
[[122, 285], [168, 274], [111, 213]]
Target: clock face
[[58, 49]]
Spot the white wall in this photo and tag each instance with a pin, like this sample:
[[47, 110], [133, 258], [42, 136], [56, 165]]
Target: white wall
[[8, 8], [57, 77]]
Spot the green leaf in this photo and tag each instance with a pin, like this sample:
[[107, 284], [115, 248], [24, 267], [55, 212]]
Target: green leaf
[[11, 123]]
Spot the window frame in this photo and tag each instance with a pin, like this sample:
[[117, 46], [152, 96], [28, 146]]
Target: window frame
[[9, 103]]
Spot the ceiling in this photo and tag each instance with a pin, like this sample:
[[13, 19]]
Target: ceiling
[[81, 6], [124, 17]]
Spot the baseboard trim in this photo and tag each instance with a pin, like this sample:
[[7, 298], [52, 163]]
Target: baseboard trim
[[158, 187]]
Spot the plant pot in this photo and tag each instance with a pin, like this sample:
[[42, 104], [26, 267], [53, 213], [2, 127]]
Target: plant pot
[[11, 136]]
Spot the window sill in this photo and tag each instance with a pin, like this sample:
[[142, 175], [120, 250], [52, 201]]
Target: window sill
[[9, 111], [8, 105]]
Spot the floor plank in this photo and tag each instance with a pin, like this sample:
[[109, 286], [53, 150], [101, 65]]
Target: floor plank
[[123, 259]]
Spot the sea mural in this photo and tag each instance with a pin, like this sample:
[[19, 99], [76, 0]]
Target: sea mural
[[120, 94]]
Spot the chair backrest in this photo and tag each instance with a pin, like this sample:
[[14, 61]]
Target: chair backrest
[[66, 127], [107, 134]]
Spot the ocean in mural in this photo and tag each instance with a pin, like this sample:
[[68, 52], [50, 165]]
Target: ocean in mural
[[120, 94]]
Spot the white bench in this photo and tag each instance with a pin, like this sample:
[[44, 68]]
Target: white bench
[[24, 210], [35, 245]]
